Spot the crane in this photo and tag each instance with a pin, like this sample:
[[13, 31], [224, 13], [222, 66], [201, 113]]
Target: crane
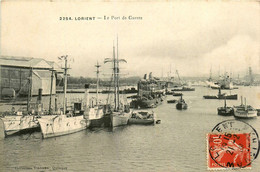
[[179, 77]]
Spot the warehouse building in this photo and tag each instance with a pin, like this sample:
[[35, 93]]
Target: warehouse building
[[22, 74]]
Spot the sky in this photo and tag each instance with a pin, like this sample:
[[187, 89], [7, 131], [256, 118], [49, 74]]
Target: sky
[[191, 37]]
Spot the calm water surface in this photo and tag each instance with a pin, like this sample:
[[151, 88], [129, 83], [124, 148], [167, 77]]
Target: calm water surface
[[177, 144]]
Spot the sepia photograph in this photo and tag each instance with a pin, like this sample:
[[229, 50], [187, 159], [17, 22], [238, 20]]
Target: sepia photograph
[[129, 86]]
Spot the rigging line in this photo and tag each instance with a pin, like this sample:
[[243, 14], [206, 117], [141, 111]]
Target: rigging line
[[25, 84], [109, 88]]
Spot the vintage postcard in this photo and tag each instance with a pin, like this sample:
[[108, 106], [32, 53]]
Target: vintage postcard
[[131, 86]]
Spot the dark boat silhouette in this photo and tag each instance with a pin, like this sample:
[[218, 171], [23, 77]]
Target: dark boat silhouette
[[221, 96], [181, 104], [176, 94], [225, 111], [150, 93], [171, 101]]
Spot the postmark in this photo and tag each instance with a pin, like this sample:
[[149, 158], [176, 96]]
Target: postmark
[[232, 144]]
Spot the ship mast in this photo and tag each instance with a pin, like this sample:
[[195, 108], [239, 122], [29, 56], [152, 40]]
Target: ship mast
[[115, 60], [52, 71], [65, 82], [29, 97], [117, 71], [114, 73], [97, 66]]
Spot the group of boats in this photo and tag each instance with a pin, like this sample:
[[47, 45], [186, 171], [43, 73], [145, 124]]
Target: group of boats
[[51, 123], [115, 112], [241, 111], [82, 115], [150, 93], [223, 82]]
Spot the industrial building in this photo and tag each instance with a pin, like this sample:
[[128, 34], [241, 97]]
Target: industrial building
[[24, 74]]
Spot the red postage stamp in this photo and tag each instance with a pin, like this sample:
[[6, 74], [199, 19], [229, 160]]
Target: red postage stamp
[[228, 150]]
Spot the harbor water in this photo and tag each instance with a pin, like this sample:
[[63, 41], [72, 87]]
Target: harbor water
[[177, 144]]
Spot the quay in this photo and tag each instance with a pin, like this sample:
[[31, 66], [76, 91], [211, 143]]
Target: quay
[[126, 91]]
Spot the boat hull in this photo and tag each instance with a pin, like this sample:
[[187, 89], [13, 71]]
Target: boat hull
[[142, 118], [245, 115], [232, 97], [171, 101], [181, 106], [228, 97], [14, 125], [107, 120], [215, 87], [62, 125], [96, 117], [177, 94], [210, 97], [228, 111], [96, 122], [119, 119], [141, 121]]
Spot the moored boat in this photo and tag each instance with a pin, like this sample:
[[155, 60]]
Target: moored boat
[[142, 117], [221, 96], [225, 111], [171, 101], [119, 118], [181, 104], [150, 94], [23, 121], [230, 97], [120, 111], [19, 124], [96, 112], [176, 94], [244, 111], [58, 125], [96, 116], [66, 122]]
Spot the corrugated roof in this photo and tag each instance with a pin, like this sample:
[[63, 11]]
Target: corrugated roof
[[24, 62], [42, 74], [55, 66]]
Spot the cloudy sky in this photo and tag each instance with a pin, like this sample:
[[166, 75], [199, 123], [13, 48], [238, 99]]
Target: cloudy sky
[[190, 37]]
